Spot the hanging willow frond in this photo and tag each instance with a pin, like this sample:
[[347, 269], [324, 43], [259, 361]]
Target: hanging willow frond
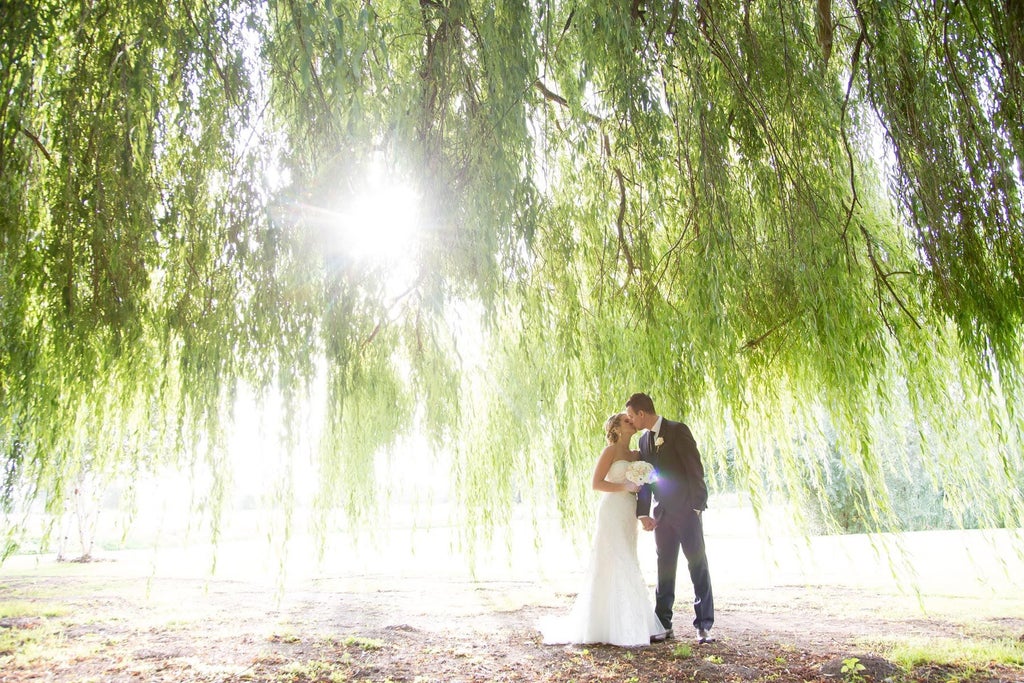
[[799, 226]]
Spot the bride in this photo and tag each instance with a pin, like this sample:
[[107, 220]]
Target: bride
[[613, 605]]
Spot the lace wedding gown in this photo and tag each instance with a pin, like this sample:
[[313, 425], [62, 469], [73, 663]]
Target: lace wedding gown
[[613, 605]]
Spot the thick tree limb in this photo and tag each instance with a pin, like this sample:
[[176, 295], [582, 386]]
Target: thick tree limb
[[824, 27], [549, 94]]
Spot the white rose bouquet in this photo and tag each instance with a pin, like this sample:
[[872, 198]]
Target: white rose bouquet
[[640, 472]]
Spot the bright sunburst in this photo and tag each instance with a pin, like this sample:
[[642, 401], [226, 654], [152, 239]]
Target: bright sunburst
[[382, 223], [379, 225]]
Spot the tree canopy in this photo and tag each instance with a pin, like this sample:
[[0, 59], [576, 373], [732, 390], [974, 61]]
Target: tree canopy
[[798, 226]]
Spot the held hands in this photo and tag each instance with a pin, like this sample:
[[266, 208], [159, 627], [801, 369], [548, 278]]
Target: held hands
[[648, 523]]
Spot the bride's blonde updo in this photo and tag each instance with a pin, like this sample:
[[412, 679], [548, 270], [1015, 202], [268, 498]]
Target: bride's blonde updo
[[613, 428]]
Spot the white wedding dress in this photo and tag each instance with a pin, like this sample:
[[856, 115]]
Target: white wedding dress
[[613, 605]]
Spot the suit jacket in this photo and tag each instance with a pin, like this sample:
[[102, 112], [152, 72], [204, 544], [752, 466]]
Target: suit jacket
[[680, 486]]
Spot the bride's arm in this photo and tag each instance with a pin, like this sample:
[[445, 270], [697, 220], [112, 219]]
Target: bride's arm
[[604, 463]]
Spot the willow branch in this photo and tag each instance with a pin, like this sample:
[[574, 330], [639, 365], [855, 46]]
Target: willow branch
[[880, 275], [549, 94], [568, 22], [754, 343], [619, 221], [670, 32], [854, 200], [309, 57], [637, 12], [558, 99], [663, 263], [202, 36], [719, 49], [387, 317], [968, 101], [824, 28], [31, 136]]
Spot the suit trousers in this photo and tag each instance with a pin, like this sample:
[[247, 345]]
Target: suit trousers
[[671, 534]]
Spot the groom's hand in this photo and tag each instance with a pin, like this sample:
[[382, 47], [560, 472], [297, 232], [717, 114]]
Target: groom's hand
[[648, 523]]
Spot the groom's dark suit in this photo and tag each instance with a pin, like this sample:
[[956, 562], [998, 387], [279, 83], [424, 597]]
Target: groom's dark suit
[[679, 491]]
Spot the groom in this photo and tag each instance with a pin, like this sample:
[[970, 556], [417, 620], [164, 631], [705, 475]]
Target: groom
[[682, 495]]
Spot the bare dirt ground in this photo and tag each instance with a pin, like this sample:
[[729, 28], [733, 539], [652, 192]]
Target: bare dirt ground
[[116, 620]]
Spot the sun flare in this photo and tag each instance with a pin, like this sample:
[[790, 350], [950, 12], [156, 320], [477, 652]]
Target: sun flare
[[383, 223], [378, 226]]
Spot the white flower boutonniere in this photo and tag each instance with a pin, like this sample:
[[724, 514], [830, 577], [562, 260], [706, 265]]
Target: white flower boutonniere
[[658, 443]]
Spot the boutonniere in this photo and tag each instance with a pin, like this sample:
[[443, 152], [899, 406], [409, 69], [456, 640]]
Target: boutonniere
[[658, 442]]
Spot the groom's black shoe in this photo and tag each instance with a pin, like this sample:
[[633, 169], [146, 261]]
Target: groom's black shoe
[[662, 637]]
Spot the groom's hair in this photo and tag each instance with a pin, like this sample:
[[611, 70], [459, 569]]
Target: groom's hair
[[641, 402]]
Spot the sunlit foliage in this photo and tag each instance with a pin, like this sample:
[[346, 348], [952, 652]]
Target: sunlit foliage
[[797, 225]]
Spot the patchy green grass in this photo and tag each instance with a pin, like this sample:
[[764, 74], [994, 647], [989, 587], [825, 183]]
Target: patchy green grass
[[682, 651], [285, 635], [362, 643], [313, 670], [25, 644], [965, 652], [12, 609], [34, 643], [33, 633]]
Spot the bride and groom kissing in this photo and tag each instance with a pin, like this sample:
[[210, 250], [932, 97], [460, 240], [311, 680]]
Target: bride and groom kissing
[[613, 605]]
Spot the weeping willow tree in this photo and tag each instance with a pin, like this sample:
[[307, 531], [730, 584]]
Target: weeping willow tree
[[798, 226]]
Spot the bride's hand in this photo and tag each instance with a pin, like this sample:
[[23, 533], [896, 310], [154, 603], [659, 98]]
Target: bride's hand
[[631, 487]]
